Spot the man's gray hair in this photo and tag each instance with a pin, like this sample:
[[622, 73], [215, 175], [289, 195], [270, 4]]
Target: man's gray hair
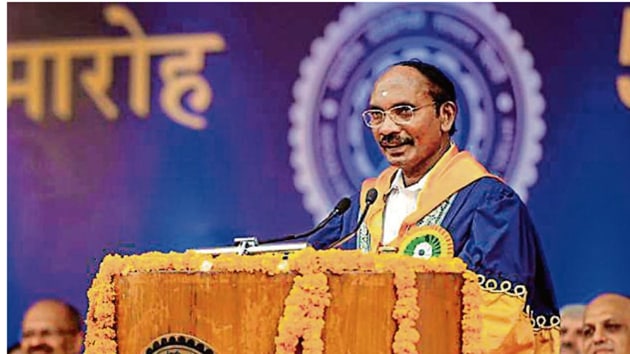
[[572, 310]]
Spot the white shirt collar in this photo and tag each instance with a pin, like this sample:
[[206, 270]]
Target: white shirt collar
[[399, 184], [401, 201]]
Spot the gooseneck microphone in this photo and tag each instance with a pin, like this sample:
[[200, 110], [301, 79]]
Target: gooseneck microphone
[[370, 198], [340, 208]]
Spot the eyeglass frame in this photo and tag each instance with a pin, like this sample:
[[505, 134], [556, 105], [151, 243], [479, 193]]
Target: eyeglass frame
[[393, 117]]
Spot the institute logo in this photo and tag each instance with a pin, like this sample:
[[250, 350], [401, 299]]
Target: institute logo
[[178, 343], [498, 93]]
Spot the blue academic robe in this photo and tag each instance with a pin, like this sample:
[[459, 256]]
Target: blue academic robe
[[493, 234]]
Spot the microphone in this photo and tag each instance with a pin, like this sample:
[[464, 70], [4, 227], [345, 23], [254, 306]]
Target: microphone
[[370, 198], [342, 206]]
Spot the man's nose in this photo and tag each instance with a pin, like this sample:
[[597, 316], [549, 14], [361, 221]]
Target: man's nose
[[33, 341], [599, 336], [388, 126]]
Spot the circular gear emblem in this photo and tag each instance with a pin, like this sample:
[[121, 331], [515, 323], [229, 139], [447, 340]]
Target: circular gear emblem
[[500, 103], [178, 343]]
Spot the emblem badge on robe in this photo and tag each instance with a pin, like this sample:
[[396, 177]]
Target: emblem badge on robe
[[428, 242]]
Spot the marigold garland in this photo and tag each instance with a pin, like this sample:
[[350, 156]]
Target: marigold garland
[[305, 306], [303, 315], [471, 317], [406, 311]]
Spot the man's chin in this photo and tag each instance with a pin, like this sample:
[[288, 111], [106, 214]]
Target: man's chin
[[396, 161], [396, 157]]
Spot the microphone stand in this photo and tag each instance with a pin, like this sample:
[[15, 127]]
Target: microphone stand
[[250, 245], [340, 208], [369, 200]]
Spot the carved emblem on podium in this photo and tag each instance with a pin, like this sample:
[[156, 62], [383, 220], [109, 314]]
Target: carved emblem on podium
[[177, 343]]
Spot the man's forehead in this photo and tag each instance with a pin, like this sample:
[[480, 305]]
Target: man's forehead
[[45, 314], [400, 76], [604, 312], [400, 85], [609, 303], [43, 322]]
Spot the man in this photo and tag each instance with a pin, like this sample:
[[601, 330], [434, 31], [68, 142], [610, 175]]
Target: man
[[52, 326], [571, 328], [431, 185], [607, 325]]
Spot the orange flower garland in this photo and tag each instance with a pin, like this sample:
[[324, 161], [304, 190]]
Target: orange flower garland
[[304, 315], [305, 306], [471, 318], [406, 311]]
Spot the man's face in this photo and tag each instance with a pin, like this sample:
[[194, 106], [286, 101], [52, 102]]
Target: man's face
[[571, 335], [413, 145], [46, 328], [607, 325]]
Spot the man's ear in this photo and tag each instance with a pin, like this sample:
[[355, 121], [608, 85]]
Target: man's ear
[[448, 111], [78, 342]]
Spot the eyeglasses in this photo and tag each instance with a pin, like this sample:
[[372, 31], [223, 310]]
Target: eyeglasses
[[398, 114], [47, 333]]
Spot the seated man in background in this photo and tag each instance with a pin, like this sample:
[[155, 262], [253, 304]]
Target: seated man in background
[[571, 328], [52, 326], [607, 325]]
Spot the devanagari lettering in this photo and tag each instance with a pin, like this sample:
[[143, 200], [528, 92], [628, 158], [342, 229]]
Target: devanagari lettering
[[180, 71]]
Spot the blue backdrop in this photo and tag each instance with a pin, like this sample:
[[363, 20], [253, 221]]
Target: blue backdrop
[[283, 139]]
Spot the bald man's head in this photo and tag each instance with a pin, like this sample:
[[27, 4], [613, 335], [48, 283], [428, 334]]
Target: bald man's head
[[607, 325], [52, 326]]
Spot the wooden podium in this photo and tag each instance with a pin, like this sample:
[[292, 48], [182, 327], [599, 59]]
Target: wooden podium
[[239, 311]]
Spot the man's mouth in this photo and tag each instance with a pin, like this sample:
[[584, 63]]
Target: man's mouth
[[393, 149], [39, 349]]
